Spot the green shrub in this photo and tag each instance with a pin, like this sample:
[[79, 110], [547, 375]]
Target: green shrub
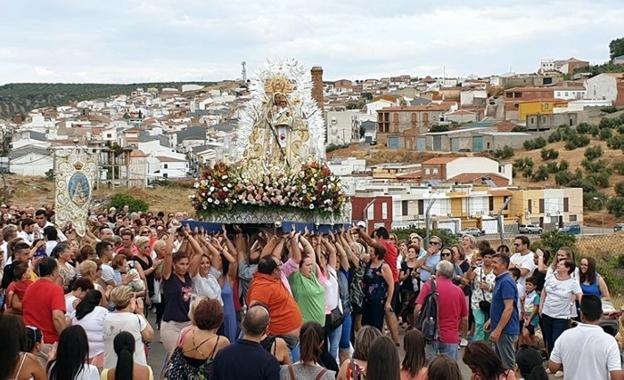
[[554, 137], [534, 144], [618, 167], [120, 200], [619, 189], [616, 142], [593, 152], [574, 141], [605, 134], [564, 165], [595, 166], [610, 109], [607, 123], [552, 167], [541, 174], [616, 206], [583, 183], [583, 128], [504, 153], [448, 239], [600, 179], [549, 154], [563, 178], [553, 240], [589, 203]]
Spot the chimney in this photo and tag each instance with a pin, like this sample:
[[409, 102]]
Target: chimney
[[317, 85]]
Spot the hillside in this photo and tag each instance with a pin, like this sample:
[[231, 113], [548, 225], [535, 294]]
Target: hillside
[[20, 98]]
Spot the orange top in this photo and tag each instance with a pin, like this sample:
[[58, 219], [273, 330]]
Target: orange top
[[284, 311]]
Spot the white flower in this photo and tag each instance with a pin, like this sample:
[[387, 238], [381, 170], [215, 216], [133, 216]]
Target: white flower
[[212, 189], [209, 200], [311, 207], [196, 185], [225, 188], [224, 177], [217, 202]]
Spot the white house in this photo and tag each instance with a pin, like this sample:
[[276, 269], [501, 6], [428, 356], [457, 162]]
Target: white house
[[462, 165], [569, 93], [461, 116], [372, 107], [469, 97], [603, 86], [347, 166], [340, 126], [30, 161]]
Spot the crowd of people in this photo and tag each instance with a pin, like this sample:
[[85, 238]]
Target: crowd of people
[[256, 303]]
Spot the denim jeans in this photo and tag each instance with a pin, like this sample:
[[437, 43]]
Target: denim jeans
[[437, 348], [552, 329], [345, 338], [333, 340]]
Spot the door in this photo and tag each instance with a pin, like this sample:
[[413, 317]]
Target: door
[[455, 145], [421, 145], [477, 143], [437, 143], [393, 142]]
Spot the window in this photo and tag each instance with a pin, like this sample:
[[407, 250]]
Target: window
[[566, 204], [572, 218], [395, 117], [427, 171], [165, 166], [370, 213], [421, 206], [530, 206], [541, 205], [491, 205], [404, 208], [384, 210], [435, 171]]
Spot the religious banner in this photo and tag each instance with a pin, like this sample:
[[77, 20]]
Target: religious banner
[[74, 172]]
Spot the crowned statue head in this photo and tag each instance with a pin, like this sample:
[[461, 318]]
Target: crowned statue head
[[281, 127]]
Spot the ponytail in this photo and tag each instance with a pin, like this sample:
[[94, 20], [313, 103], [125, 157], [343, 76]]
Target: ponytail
[[537, 373], [124, 348]]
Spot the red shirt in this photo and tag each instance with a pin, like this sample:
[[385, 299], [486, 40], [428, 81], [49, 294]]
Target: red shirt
[[40, 300], [391, 258], [452, 307], [19, 288]]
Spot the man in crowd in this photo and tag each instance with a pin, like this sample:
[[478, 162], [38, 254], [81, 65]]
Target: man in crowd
[[452, 311], [382, 236], [9, 232], [43, 305], [21, 254], [104, 250], [428, 260], [523, 258], [28, 231], [258, 363], [41, 219], [268, 288], [504, 322]]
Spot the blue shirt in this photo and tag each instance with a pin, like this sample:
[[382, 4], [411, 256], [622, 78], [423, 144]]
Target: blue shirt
[[505, 289], [430, 262]]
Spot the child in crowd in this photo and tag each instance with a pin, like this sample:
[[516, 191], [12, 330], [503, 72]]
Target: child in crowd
[[16, 290], [530, 311], [515, 274]]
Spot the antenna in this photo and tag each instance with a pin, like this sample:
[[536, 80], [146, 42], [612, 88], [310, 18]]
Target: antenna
[[244, 71]]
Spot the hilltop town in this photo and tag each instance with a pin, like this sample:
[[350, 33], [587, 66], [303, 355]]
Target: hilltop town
[[453, 149]]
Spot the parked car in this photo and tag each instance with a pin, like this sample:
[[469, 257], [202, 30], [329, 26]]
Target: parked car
[[572, 229], [618, 227], [472, 231], [530, 229]]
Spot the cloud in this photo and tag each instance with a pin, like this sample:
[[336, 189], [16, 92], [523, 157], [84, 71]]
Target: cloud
[[132, 41]]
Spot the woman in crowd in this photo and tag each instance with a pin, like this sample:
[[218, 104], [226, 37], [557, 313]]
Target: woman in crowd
[[446, 254], [345, 256], [469, 245], [125, 367], [34, 345], [79, 289], [15, 364], [564, 253], [541, 261], [410, 285], [144, 260], [378, 286], [592, 283], [383, 360], [483, 281], [91, 317], [485, 363], [504, 249], [205, 283], [311, 341], [443, 367], [177, 289], [199, 343], [63, 255], [92, 270], [356, 293], [557, 302], [355, 368], [414, 363], [128, 316], [308, 290], [326, 257], [72, 357]]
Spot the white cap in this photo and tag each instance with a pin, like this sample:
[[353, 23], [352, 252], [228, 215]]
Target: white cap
[[361, 223]]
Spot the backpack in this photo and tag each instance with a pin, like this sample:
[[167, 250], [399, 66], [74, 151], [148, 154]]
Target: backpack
[[427, 321]]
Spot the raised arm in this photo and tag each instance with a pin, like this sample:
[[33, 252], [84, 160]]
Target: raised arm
[[364, 236], [293, 248], [168, 262], [332, 253], [307, 247], [342, 254]]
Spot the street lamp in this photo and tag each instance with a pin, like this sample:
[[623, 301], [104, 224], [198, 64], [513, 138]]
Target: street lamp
[[602, 213]]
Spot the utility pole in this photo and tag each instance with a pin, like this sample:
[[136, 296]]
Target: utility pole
[[428, 221], [244, 72]]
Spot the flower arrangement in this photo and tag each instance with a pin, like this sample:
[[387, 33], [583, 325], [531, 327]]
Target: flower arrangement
[[228, 187]]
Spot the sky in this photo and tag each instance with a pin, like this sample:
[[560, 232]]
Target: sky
[[205, 40]]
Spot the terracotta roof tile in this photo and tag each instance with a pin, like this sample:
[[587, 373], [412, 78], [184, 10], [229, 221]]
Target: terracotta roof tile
[[439, 160]]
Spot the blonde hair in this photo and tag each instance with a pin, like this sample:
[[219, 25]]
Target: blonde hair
[[87, 268], [141, 240], [159, 245], [121, 296]]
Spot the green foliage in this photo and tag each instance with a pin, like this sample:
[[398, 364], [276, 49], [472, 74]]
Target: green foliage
[[619, 189], [554, 137], [610, 109], [120, 200], [616, 142], [50, 175], [618, 167], [553, 240], [593, 152], [605, 134], [576, 141], [552, 167], [518, 128], [504, 153], [537, 143], [600, 179], [448, 238], [616, 206], [541, 174], [549, 154], [333, 147], [563, 178], [522, 163], [589, 203], [23, 97], [583, 128], [607, 67], [439, 128], [584, 183], [616, 47], [564, 165]]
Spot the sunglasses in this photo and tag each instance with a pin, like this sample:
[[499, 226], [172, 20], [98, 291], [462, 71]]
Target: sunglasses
[[434, 243], [516, 245], [446, 254]]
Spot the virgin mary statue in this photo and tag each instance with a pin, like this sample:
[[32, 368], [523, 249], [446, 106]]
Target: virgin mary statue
[[281, 127]]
